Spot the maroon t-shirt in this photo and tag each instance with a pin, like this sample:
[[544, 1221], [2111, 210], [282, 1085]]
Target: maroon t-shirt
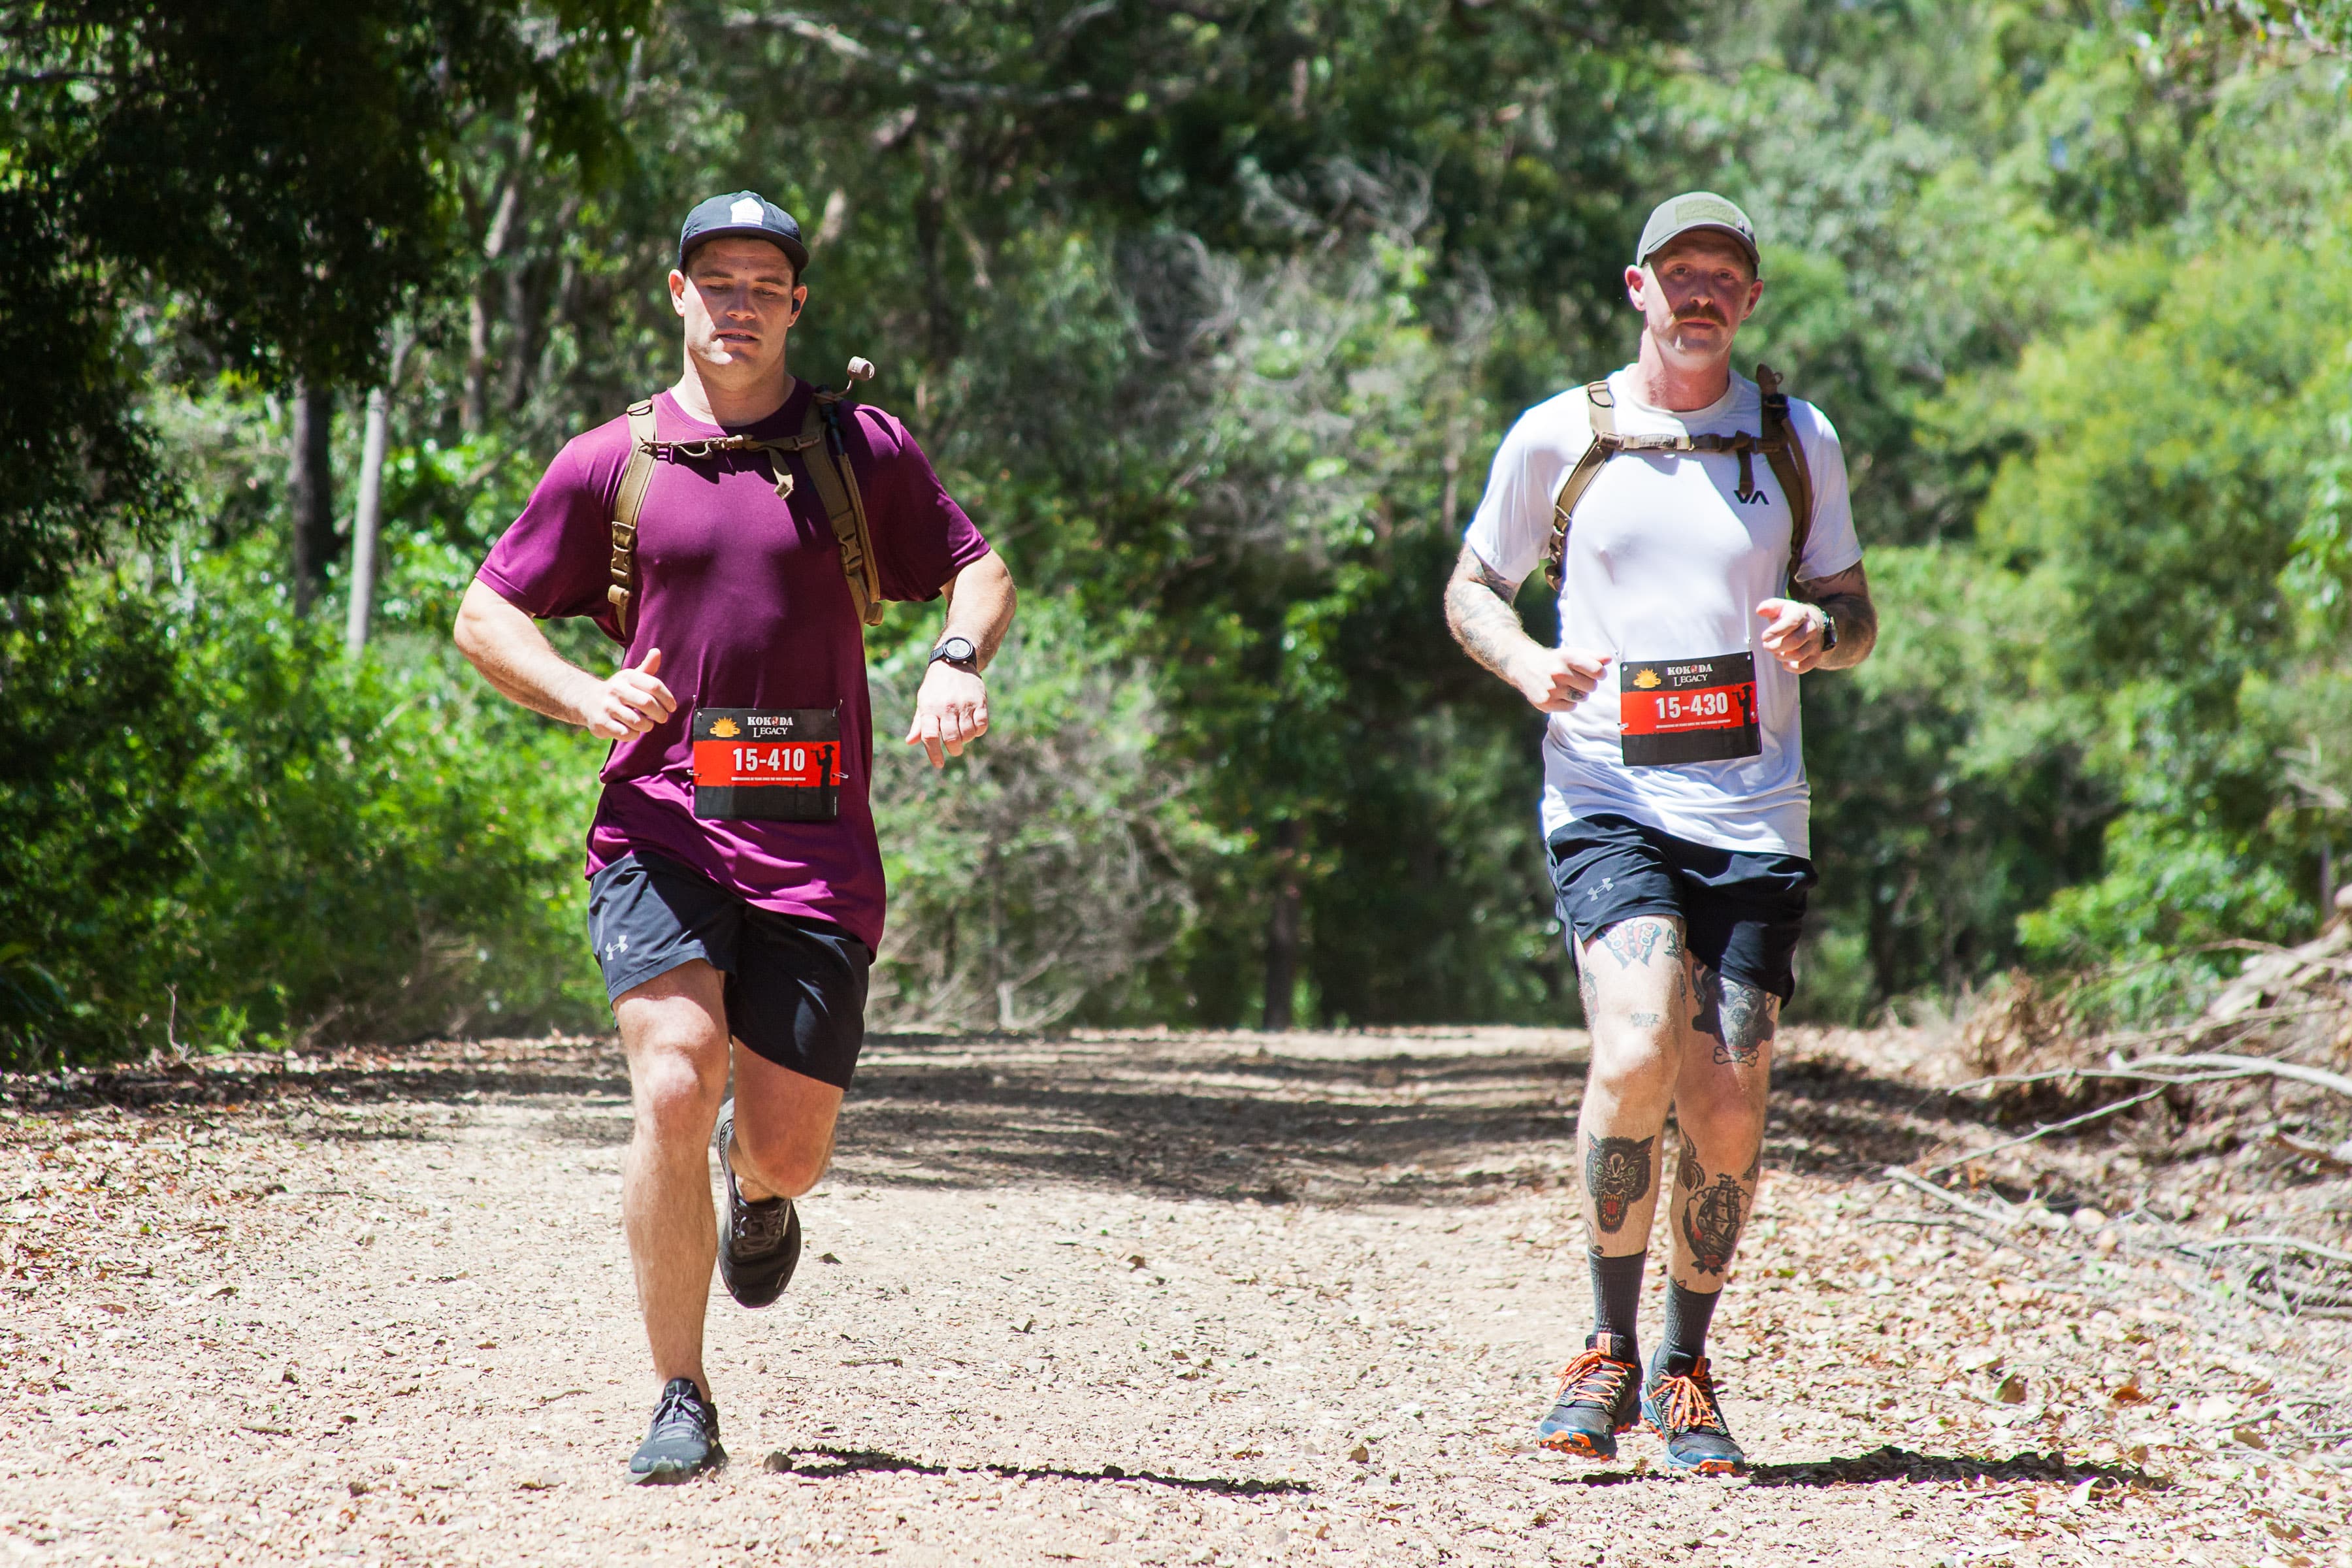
[[743, 594]]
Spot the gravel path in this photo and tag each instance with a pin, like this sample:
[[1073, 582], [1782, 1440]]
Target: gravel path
[[1158, 1299]]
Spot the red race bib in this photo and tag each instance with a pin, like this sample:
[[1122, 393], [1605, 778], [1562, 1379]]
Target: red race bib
[[778, 763], [1688, 710]]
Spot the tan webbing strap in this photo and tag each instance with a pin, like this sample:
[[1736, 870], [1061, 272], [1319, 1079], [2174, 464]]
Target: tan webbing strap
[[835, 481], [626, 505], [1602, 408], [1779, 444], [844, 507], [1787, 455]]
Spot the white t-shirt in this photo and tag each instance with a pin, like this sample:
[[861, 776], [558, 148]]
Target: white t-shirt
[[1665, 563]]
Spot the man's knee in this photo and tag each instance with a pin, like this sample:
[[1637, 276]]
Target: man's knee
[[677, 1086], [1725, 1129], [789, 1160], [1637, 1064]]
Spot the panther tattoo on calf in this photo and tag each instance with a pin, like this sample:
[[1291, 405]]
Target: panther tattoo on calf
[[1711, 1221], [1617, 1176]]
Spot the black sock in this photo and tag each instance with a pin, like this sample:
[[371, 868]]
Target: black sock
[[1687, 1316], [1617, 1297]]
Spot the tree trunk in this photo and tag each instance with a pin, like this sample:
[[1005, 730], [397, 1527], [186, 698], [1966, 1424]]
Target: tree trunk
[[311, 487], [364, 520], [1282, 942], [367, 516], [474, 402]]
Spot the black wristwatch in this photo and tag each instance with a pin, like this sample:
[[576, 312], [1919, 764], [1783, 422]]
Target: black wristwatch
[[1829, 629], [959, 652]]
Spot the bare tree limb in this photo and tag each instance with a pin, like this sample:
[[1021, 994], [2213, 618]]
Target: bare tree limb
[[2044, 1131], [2205, 1067], [1902, 1177]]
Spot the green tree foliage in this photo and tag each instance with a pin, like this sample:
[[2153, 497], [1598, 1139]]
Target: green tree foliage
[[1212, 316], [270, 177]]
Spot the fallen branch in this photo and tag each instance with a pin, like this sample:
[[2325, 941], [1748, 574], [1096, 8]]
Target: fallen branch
[[2044, 1131], [2204, 1067], [1947, 1223], [2285, 1243], [2215, 1025], [2319, 1153], [2318, 1077], [1902, 1177]]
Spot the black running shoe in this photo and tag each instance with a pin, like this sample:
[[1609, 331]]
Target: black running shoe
[[762, 1244], [1681, 1407], [682, 1441], [1599, 1396]]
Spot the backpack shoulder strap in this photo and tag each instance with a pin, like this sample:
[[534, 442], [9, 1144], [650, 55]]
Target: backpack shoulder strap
[[1606, 444], [836, 487], [1787, 455], [626, 505]]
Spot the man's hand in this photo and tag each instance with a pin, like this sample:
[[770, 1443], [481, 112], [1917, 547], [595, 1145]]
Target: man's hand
[[950, 712], [1555, 679], [1794, 635], [632, 702]]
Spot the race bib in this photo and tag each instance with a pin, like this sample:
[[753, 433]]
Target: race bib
[[1688, 710], [783, 764]]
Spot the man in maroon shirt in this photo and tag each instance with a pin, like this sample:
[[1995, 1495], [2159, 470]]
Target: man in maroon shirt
[[734, 924]]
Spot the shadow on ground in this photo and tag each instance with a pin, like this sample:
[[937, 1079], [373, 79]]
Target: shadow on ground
[[1892, 1464], [1217, 1117], [820, 1462]]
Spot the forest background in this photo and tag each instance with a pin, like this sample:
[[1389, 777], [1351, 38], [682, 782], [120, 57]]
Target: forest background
[[1212, 315]]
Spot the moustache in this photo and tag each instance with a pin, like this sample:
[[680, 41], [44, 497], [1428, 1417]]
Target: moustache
[[1708, 316]]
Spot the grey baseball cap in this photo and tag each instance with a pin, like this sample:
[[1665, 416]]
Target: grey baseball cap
[[746, 215], [1677, 215]]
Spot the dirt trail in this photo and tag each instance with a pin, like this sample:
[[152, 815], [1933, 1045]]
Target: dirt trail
[[1119, 1299]]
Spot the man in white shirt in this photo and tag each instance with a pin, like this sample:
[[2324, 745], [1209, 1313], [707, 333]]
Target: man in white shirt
[[1699, 529]]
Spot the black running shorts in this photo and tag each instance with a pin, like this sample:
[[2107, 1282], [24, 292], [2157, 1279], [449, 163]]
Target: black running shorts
[[795, 988], [1741, 913]]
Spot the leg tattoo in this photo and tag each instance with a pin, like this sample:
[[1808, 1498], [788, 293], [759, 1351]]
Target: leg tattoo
[[1617, 1176], [1637, 941], [1711, 1220], [1737, 1017]]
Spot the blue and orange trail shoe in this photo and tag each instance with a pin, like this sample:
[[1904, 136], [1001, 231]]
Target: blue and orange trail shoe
[[1599, 1396], [683, 1440], [1681, 1407], [762, 1244]]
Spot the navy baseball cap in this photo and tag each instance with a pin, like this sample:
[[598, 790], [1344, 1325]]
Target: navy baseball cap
[[744, 215]]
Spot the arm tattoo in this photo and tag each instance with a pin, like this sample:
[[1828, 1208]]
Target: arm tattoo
[[1711, 1220], [1739, 1017], [1616, 1177], [1478, 611], [1845, 597]]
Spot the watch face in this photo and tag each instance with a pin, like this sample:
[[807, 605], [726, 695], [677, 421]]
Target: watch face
[[957, 650]]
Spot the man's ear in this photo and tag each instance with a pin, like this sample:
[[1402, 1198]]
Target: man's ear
[[677, 287], [1636, 279]]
